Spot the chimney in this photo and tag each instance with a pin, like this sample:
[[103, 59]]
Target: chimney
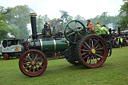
[[33, 25]]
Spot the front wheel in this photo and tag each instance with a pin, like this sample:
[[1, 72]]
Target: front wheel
[[33, 63]]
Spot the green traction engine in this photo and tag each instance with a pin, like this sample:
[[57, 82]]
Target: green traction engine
[[78, 46]]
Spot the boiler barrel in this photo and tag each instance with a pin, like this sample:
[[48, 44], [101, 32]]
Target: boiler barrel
[[54, 45], [51, 45]]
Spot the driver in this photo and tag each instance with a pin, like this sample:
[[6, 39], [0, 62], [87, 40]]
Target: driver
[[89, 26], [47, 30]]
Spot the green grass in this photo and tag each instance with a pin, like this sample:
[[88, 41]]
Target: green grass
[[59, 72]]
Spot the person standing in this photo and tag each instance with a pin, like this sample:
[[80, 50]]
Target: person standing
[[120, 41], [97, 28], [104, 30]]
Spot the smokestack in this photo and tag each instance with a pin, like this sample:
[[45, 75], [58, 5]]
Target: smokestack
[[119, 30], [33, 25]]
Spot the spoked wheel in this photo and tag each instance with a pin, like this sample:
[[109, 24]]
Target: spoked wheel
[[33, 63], [74, 31], [92, 51], [6, 57]]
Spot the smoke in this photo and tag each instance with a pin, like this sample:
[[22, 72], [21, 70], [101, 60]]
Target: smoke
[[29, 29]]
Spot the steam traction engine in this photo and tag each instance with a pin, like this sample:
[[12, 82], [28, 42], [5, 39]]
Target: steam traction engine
[[79, 48]]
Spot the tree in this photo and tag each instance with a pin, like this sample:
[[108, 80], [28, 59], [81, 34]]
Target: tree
[[124, 16], [56, 25], [19, 17], [125, 0], [64, 15], [64, 19], [3, 30], [82, 19], [14, 31], [40, 22], [105, 19], [4, 27]]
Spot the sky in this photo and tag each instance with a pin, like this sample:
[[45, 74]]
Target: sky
[[85, 8]]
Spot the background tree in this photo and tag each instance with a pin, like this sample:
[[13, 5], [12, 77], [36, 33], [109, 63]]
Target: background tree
[[63, 19], [107, 20], [4, 27], [18, 18], [123, 22], [41, 21], [82, 19], [125, 0], [55, 25]]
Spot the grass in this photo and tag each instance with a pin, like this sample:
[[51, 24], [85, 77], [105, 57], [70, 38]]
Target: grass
[[59, 72]]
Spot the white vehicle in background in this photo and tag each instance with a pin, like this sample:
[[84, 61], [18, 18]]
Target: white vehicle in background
[[10, 48]]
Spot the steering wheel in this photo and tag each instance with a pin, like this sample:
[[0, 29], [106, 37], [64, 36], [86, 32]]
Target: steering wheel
[[74, 31]]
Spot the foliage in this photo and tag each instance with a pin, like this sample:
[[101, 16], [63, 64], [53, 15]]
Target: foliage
[[64, 15], [4, 29], [56, 25], [125, 0], [105, 19], [59, 72], [124, 16], [40, 22], [19, 17], [15, 21], [14, 30], [82, 19], [3, 17]]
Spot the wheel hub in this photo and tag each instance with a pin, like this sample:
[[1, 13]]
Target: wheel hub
[[76, 31], [33, 63], [93, 51]]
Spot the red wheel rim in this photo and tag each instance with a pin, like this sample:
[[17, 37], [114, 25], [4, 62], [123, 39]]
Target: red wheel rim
[[93, 51], [33, 63], [6, 56]]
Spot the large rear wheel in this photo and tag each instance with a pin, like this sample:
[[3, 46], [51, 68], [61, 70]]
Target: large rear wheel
[[92, 51]]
